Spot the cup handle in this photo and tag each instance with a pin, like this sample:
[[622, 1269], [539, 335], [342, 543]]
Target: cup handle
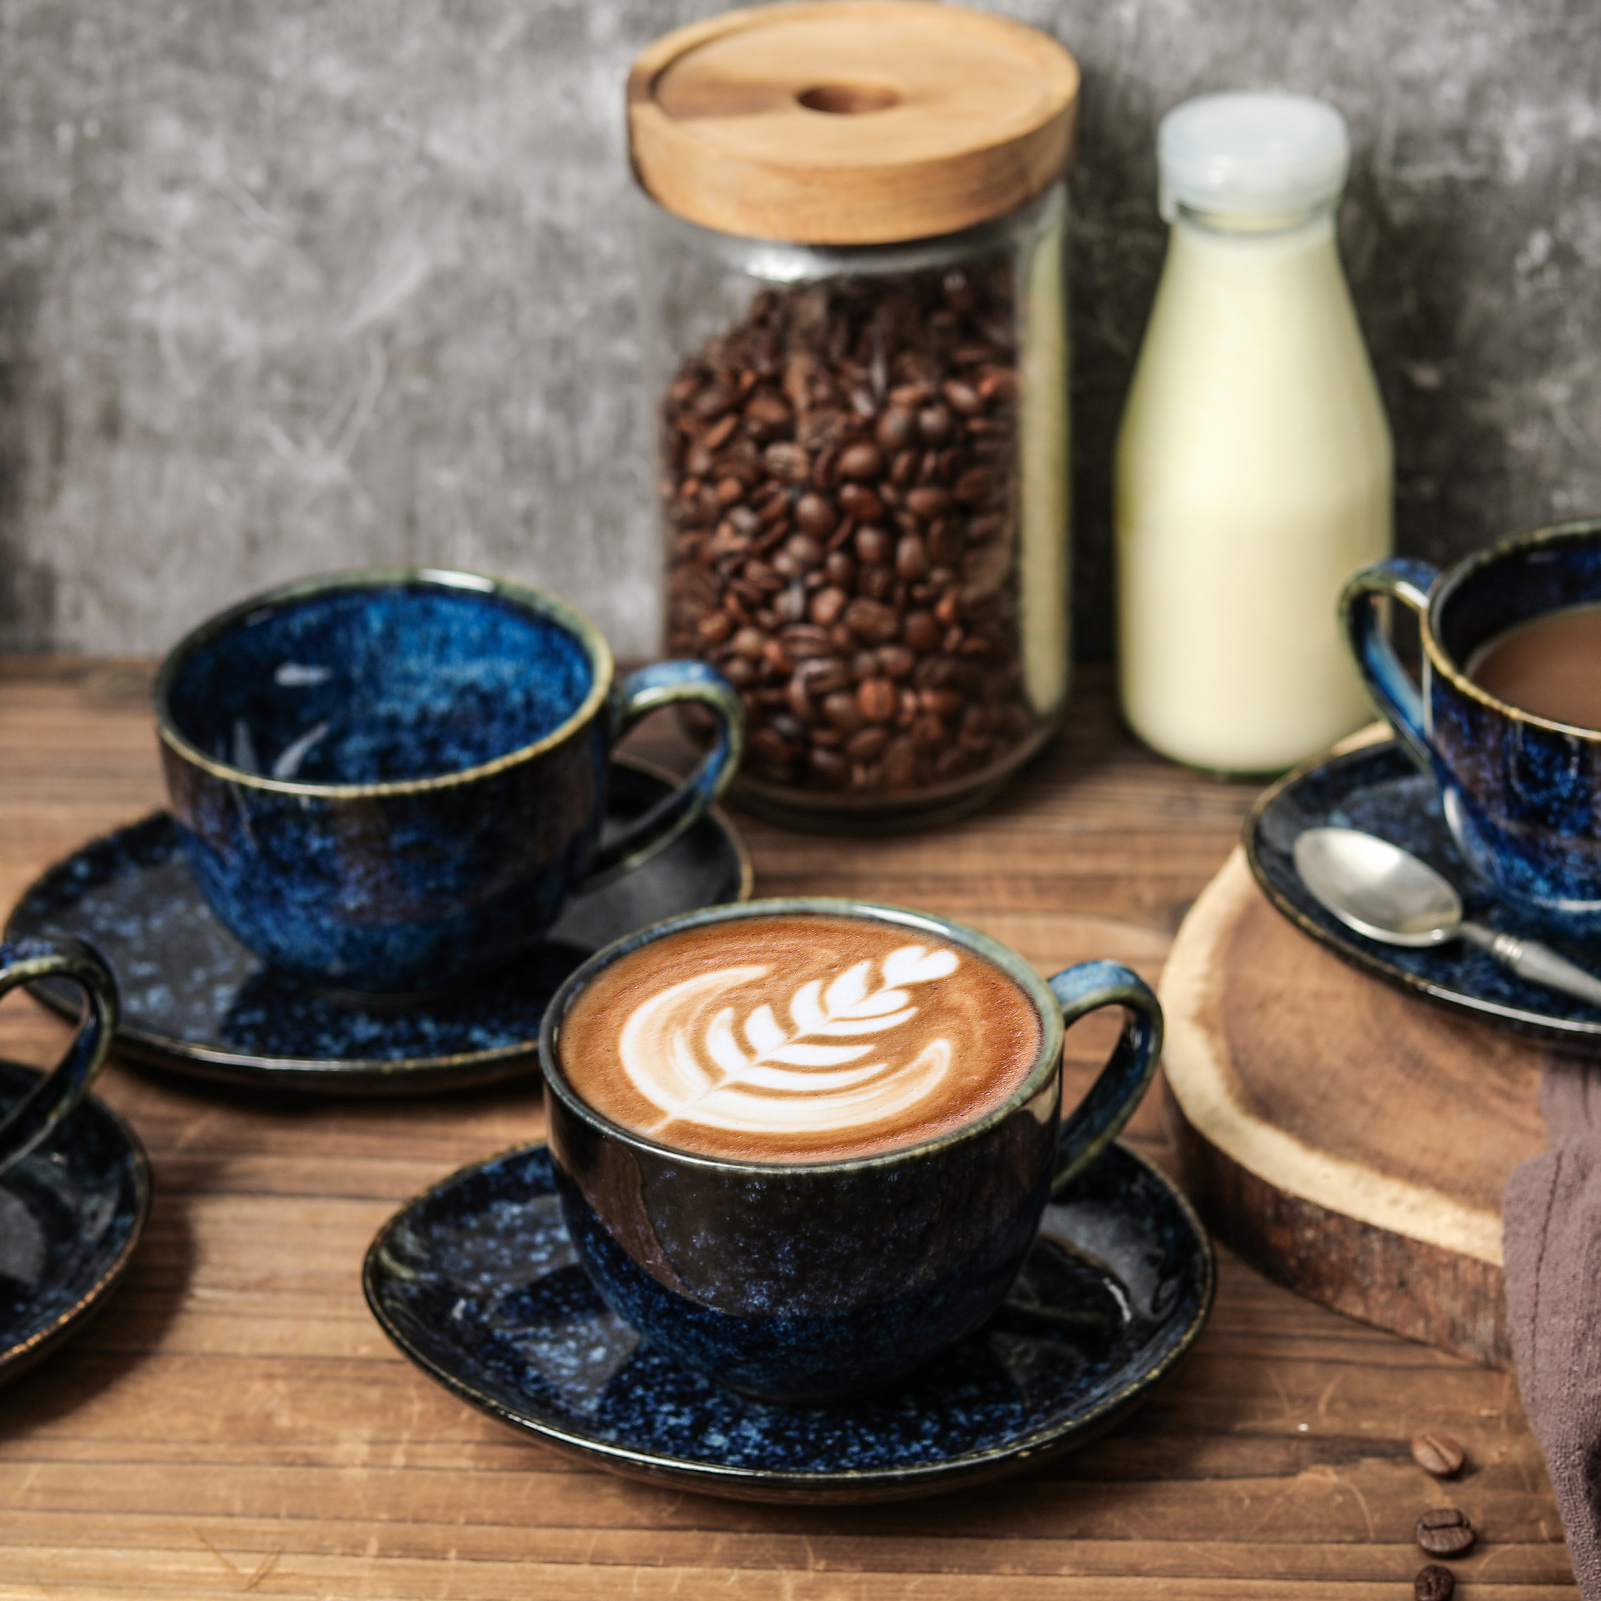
[[1395, 578], [24, 961], [1098, 1119], [641, 693]]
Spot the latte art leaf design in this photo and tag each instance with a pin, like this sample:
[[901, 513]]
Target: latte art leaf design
[[761, 1075]]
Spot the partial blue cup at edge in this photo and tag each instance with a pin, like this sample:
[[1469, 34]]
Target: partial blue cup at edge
[[1521, 794], [388, 782]]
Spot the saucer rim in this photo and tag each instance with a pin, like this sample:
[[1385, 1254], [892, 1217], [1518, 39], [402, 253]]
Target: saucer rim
[[354, 1075], [814, 1487], [14, 1359], [1368, 955]]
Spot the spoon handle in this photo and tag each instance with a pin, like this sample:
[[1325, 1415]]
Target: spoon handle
[[1529, 959]]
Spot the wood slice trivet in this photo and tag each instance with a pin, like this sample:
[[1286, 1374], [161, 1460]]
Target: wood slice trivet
[[1346, 1139]]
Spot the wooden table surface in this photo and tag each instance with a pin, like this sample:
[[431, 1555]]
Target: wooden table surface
[[235, 1421]]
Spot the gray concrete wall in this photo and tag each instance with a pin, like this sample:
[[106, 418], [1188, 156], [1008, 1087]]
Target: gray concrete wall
[[287, 285]]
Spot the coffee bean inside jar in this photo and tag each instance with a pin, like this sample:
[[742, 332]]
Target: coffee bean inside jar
[[841, 484], [857, 337]]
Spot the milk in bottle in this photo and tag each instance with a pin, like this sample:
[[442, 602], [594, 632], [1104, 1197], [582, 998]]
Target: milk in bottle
[[1253, 469]]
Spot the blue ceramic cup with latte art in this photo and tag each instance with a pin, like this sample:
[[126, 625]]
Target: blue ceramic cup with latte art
[[805, 1279]]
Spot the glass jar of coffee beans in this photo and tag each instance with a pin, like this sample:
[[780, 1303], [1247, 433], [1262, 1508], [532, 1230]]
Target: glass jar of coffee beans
[[857, 348]]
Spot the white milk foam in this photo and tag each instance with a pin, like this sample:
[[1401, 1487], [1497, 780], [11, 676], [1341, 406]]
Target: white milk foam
[[831, 1065]]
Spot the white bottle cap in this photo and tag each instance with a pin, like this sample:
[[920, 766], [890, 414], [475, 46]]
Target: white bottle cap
[[1251, 152]]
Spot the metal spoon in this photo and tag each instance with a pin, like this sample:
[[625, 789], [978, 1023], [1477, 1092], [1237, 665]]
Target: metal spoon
[[1388, 894]]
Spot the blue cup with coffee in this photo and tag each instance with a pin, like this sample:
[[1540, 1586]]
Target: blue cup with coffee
[[1508, 718], [805, 1145], [388, 782]]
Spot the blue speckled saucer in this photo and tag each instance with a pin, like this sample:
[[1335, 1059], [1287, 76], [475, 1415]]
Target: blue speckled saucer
[[196, 1001], [1379, 790], [70, 1216], [476, 1282]]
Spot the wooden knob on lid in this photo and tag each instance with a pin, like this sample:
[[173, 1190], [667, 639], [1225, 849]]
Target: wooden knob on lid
[[852, 121]]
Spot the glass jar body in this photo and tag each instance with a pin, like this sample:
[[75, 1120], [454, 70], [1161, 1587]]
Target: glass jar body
[[863, 493]]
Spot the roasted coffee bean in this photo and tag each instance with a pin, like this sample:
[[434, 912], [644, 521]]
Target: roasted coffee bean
[[824, 674], [861, 460], [867, 744], [900, 763], [929, 500], [945, 542], [827, 604], [921, 631], [830, 769], [840, 569], [896, 661], [872, 622], [768, 743], [858, 501], [974, 486], [1434, 1583], [877, 583], [839, 470], [815, 515], [842, 711], [803, 550], [962, 397], [873, 544], [911, 557], [1444, 1532], [1438, 1454], [895, 428], [770, 410], [877, 699]]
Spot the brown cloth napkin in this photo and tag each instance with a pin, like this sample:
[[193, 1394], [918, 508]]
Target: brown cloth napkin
[[1551, 1224]]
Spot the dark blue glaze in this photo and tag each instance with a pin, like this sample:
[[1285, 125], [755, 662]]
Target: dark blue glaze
[[478, 1282], [1380, 791], [804, 1280], [36, 959], [196, 1000], [70, 1215], [390, 782], [404, 681], [1522, 796]]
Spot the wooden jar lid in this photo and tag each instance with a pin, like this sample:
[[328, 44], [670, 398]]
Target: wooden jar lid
[[852, 121]]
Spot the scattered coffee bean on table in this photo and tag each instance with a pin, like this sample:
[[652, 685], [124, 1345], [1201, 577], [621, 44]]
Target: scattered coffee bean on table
[[839, 485], [1434, 1583], [1444, 1532], [1438, 1454]]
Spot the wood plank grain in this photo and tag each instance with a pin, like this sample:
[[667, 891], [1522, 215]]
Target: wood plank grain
[[236, 1423]]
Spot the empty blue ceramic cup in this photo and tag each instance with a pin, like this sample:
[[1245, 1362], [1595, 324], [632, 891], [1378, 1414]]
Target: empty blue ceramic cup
[[1521, 794], [388, 782]]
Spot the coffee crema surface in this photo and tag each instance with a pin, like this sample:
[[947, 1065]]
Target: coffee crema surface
[[1550, 666], [798, 1038]]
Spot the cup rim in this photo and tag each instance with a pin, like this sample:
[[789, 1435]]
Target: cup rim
[[1052, 1029], [546, 605], [1580, 530]]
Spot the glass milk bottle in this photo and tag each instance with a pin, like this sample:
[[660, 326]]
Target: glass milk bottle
[[1253, 468]]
